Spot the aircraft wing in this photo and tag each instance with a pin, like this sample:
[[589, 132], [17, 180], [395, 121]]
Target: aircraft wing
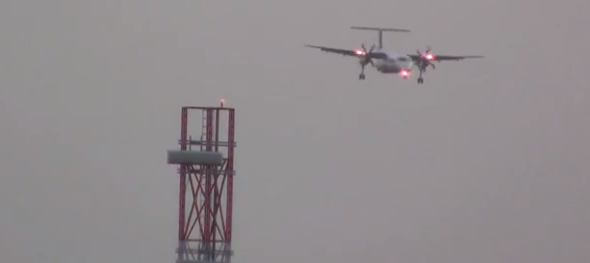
[[443, 57], [346, 52]]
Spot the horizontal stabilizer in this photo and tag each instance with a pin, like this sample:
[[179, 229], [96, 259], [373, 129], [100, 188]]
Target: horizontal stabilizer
[[382, 29]]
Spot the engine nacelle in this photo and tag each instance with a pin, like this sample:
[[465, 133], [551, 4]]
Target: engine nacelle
[[363, 61]]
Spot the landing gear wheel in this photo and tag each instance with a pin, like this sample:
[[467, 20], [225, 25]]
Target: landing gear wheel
[[362, 76], [420, 80]]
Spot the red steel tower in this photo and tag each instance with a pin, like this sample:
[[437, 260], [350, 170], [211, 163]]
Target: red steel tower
[[206, 184]]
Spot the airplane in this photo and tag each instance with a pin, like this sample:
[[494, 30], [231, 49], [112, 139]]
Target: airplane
[[388, 62]]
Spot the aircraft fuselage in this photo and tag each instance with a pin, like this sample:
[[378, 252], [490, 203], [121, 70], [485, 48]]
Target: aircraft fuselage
[[392, 64], [389, 66]]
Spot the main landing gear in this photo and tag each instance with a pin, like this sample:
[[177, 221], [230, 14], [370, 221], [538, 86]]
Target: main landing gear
[[365, 58], [420, 78], [362, 75], [423, 62]]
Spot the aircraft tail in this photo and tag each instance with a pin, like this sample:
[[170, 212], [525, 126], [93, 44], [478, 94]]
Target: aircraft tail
[[380, 31]]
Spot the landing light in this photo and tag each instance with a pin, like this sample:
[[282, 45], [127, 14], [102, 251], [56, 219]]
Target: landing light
[[404, 74]]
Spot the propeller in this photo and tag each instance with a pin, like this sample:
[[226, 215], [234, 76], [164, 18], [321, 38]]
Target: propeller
[[426, 58], [366, 55]]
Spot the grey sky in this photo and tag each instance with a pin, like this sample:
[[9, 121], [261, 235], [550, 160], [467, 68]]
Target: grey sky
[[486, 162]]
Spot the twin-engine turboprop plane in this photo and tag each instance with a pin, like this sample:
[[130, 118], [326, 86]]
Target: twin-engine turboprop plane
[[388, 62]]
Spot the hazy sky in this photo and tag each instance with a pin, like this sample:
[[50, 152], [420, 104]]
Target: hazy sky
[[487, 162]]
